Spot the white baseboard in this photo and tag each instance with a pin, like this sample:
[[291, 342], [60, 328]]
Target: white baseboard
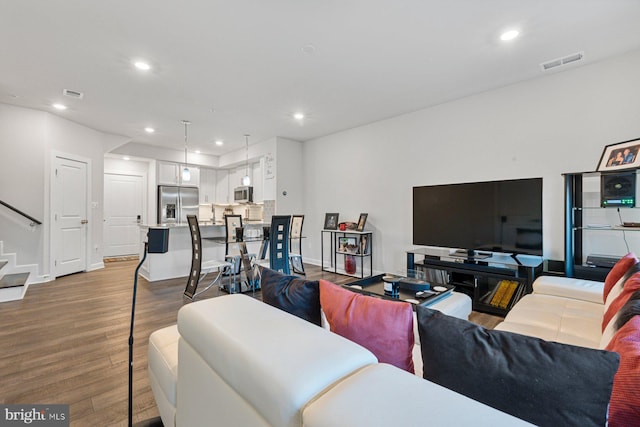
[[96, 266]]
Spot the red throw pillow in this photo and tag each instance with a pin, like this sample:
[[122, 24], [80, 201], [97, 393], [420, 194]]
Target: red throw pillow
[[383, 327], [630, 286], [616, 273], [624, 407]]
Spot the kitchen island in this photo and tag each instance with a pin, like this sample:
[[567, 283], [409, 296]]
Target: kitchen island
[[177, 261]]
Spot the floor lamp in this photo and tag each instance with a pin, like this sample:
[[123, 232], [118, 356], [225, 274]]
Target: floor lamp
[[157, 243]]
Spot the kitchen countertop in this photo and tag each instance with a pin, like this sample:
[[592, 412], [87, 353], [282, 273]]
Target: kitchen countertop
[[258, 222]]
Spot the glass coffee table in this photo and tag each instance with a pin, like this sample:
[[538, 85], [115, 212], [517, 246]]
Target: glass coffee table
[[401, 288]]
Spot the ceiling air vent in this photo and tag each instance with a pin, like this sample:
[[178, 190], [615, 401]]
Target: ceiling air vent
[[72, 93], [554, 63]]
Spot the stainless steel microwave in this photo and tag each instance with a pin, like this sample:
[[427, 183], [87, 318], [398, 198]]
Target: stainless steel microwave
[[243, 194]]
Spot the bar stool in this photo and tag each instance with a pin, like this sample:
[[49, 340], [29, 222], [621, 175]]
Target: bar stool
[[278, 244], [232, 222], [295, 257], [199, 269]]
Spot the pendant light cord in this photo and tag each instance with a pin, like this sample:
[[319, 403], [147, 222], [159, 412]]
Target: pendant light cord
[[246, 137], [186, 123]]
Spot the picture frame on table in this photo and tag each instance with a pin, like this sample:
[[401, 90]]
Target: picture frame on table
[[331, 221], [620, 156], [362, 221], [365, 245], [347, 245]]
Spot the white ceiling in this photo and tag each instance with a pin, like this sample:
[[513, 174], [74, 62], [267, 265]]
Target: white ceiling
[[249, 60]]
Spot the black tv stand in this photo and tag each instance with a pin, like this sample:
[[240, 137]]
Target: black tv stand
[[470, 255], [494, 283], [515, 257]]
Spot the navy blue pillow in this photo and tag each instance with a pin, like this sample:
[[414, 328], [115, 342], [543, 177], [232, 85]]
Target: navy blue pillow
[[292, 294], [545, 383]]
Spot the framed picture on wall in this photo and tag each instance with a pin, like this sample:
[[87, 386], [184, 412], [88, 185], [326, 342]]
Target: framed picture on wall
[[331, 221], [362, 221], [619, 156]]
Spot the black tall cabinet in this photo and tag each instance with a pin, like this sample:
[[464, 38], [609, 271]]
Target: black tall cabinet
[[592, 230]]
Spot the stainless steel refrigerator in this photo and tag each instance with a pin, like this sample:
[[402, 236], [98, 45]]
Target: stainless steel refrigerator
[[175, 203]]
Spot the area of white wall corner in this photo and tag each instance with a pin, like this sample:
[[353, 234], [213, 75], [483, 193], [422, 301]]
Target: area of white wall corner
[[25, 169], [540, 128], [145, 151]]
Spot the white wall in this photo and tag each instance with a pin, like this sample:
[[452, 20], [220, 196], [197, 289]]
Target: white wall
[[28, 139], [290, 177], [22, 137], [540, 128], [135, 149]]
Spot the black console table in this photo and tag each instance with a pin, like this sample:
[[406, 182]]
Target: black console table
[[495, 282]]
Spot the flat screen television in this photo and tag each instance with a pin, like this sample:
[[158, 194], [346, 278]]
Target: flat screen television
[[494, 216]]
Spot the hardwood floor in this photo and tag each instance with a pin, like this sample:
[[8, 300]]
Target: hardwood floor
[[67, 341]]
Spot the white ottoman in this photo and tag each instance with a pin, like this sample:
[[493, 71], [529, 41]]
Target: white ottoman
[[455, 305]]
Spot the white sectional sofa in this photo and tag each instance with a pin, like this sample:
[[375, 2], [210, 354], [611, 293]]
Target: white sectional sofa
[[568, 311], [241, 362]]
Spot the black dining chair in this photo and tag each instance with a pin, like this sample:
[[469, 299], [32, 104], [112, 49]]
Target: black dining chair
[[295, 236], [279, 243], [232, 222], [199, 269]]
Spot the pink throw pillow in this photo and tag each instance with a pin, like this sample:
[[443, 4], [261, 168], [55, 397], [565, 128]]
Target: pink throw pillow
[[616, 273], [624, 406], [631, 285], [383, 327]]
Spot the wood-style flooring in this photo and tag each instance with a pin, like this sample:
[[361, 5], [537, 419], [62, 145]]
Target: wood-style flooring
[[67, 341]]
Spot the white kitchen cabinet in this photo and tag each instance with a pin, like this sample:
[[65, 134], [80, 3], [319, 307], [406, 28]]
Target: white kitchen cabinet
[[235, 177], [207, 185], [194, 180], [171, 174], [222, 186], [168, 173]]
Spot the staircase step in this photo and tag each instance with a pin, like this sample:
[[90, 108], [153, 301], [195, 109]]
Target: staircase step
[[13, 280]]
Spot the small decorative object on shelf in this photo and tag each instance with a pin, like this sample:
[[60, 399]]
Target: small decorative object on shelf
[[331, 221], [622, 155], [347, 225], [362, 221], [348, 245], [350, 264]]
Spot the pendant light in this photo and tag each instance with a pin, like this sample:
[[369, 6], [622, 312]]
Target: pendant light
[[246, 180], [186, 173]]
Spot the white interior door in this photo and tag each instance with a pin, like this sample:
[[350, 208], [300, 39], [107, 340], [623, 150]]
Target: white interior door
[[123, 204], [69, 201]]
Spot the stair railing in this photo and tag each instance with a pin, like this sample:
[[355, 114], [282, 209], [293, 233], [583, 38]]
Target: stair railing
[[34, 221]]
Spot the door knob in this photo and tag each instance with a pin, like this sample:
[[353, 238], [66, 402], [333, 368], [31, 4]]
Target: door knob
[[84, 221]]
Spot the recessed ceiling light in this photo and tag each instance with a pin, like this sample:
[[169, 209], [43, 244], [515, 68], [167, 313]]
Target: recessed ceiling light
[[149, 130], [509, 35], [59, 106], [298, 116], [126, 158], [197, 151], [219, 142], [141, 65]]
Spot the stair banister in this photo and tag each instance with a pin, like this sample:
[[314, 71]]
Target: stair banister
[[34, 221]]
